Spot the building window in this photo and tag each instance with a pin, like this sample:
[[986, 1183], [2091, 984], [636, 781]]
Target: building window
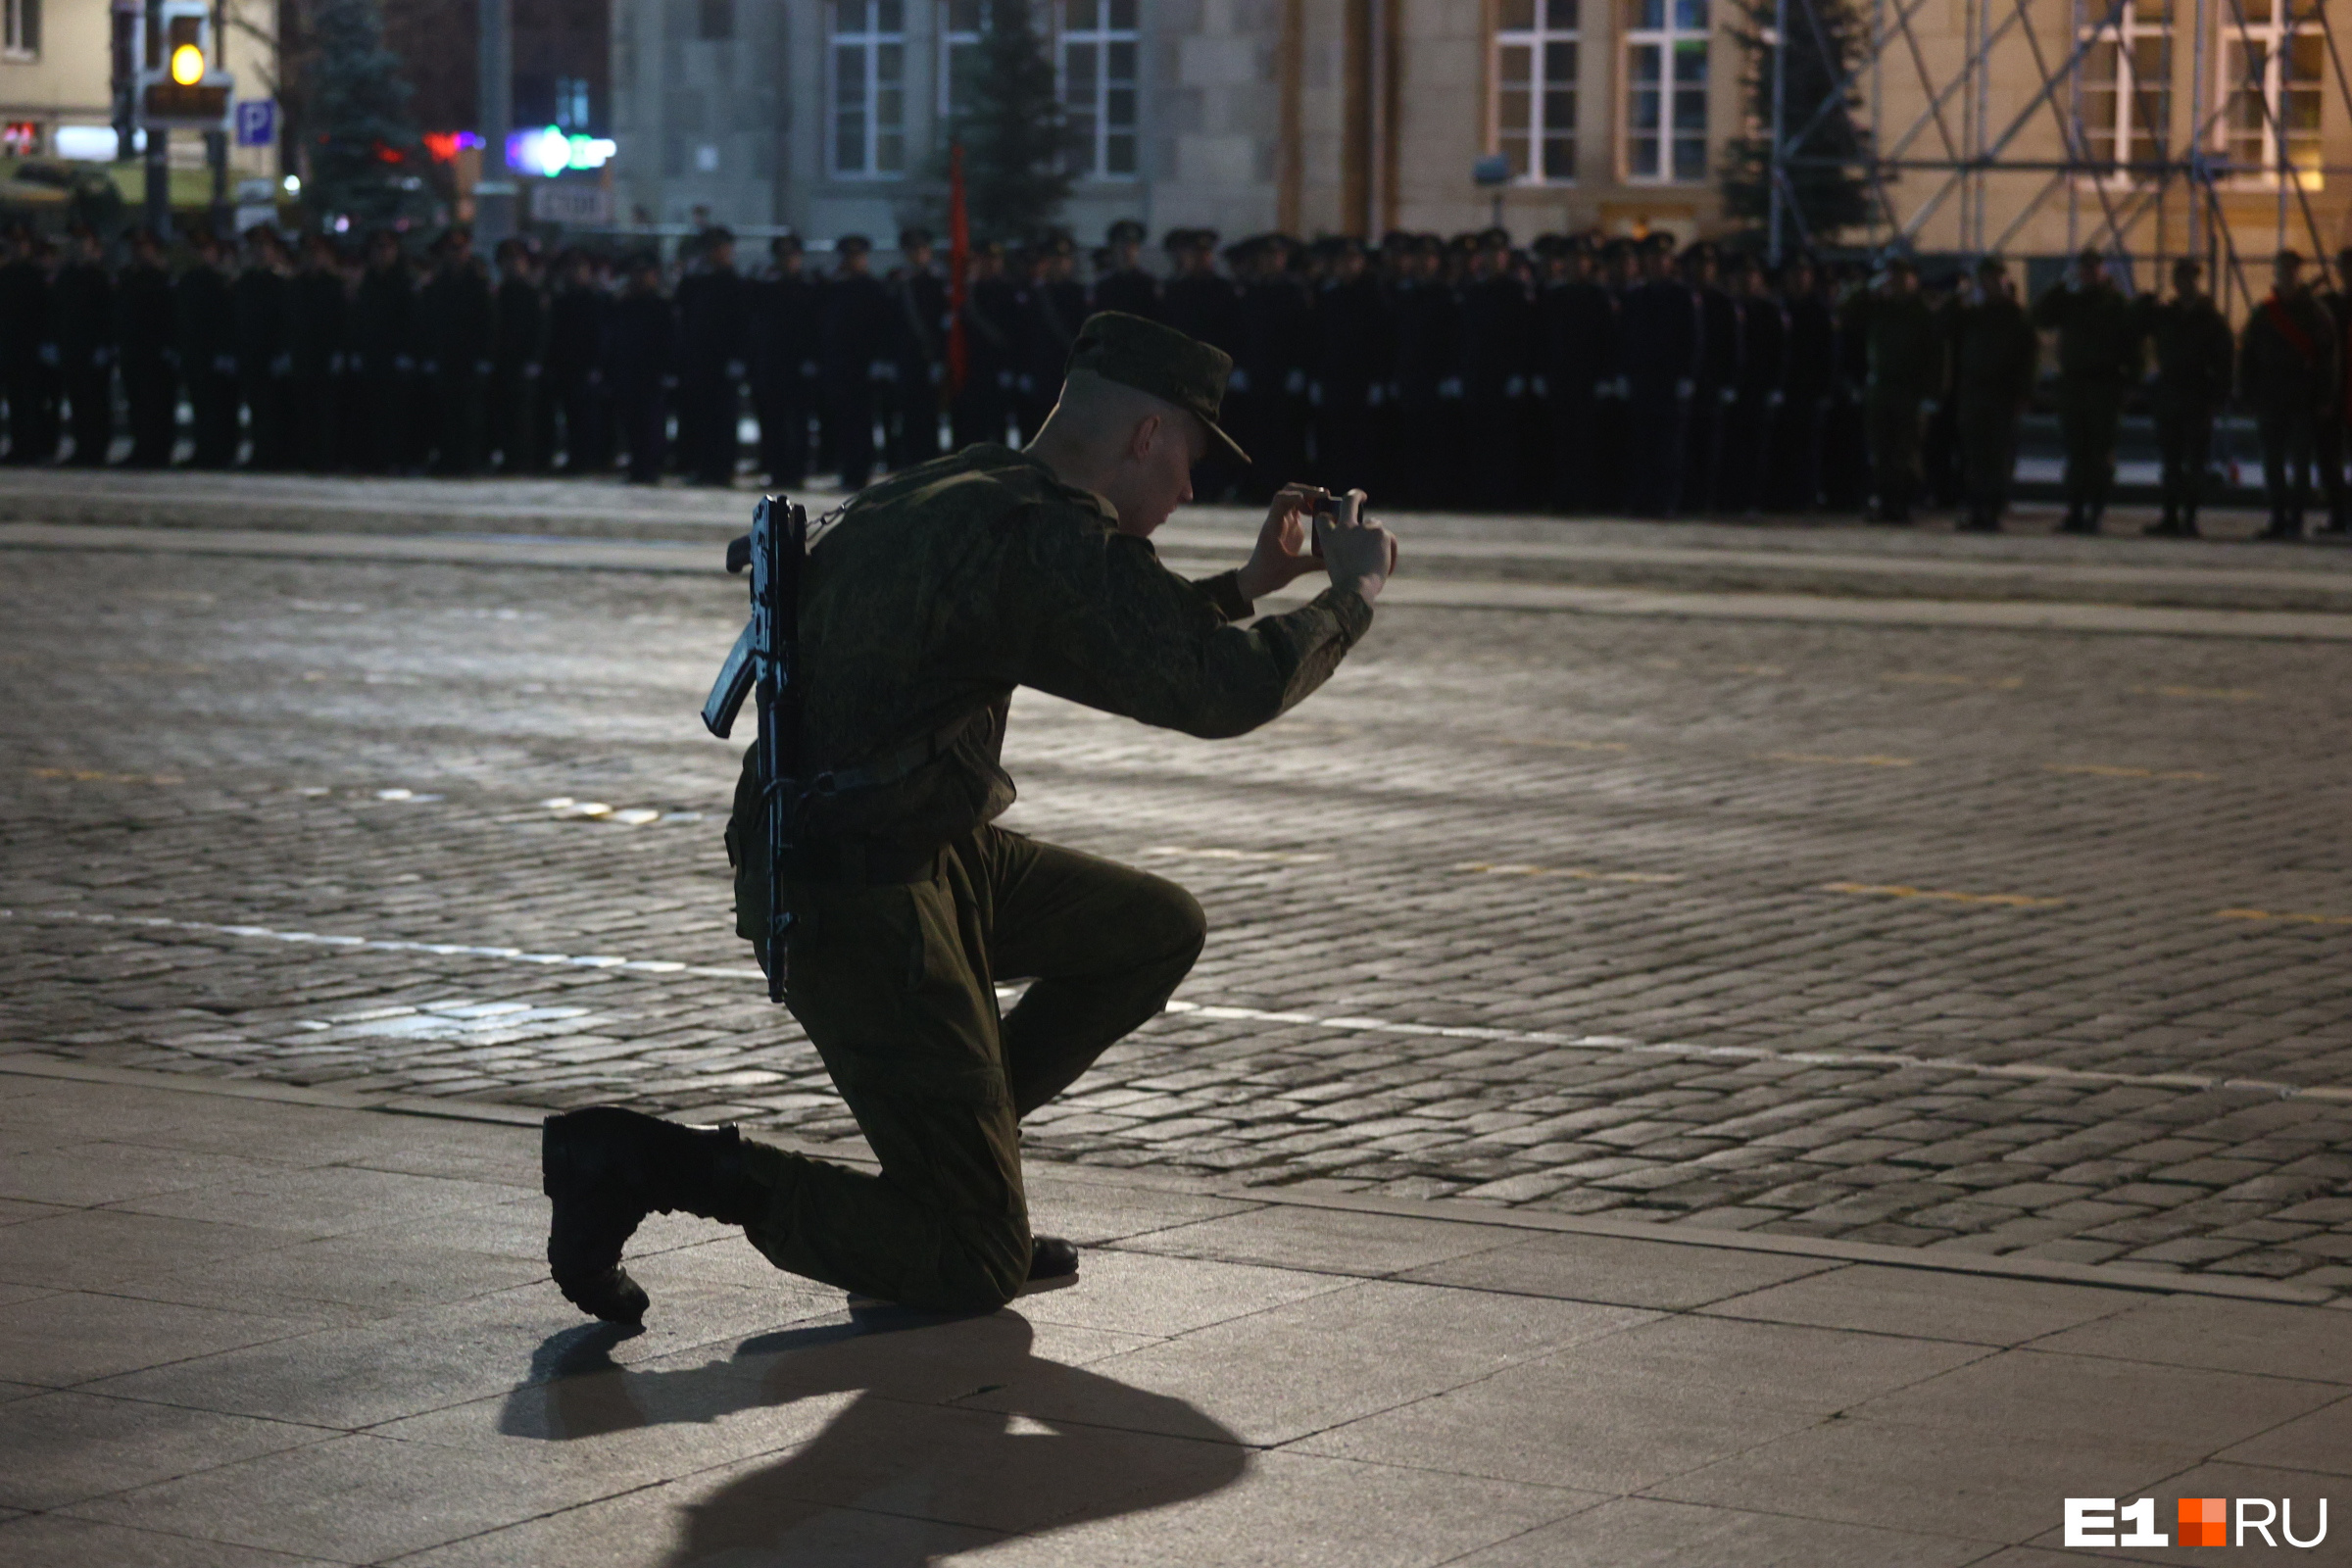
[[20, 33], [572, 103], [2274, 73], [1535, 89], [2126, 82], [959, 24], [1099, 47], [1666, 89], [715, 21], [870, 88]]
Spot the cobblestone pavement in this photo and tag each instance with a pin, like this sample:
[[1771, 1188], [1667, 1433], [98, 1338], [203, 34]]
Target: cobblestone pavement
[[2027, 943]]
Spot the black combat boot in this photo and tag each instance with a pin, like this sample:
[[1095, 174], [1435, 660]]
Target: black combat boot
[[606, 1168], [1052, 1258]]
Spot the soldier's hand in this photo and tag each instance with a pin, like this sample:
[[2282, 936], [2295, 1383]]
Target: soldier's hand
[[1358, 553], [1286, 546]]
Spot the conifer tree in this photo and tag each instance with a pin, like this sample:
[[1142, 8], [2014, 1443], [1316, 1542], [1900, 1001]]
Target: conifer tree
[[1828, 189], [356, 118], [1015, 135]]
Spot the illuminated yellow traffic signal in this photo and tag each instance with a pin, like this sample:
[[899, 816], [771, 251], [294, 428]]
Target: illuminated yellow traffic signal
[[188, 65]]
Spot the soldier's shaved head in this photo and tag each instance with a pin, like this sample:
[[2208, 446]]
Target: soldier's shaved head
[[1134, 450]]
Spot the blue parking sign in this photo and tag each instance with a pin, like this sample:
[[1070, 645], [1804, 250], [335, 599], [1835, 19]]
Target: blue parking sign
[[257, 122]]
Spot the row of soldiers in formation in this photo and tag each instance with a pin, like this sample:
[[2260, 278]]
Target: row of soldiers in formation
[[1580, 375]]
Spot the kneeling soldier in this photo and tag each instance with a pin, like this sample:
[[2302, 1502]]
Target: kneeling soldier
[[931, 597]]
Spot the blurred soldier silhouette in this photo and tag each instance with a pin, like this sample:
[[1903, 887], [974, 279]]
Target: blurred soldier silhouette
[[150, 375], [1124, 284], [784, 363], [85, 341], [208, 353], [920, 362], [991, 323], [2195, 356], [712, 338], [2288, 373], [1665, 343], [1996, 352], [856, 331], [644, 368], [2098, 357]]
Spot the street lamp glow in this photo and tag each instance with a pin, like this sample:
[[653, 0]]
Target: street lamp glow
[[188, 65]]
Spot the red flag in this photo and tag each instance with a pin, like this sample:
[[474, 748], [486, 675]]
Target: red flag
[[960, 251]]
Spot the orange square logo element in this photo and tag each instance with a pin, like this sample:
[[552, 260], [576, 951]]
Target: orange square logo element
[[2204, 1521]]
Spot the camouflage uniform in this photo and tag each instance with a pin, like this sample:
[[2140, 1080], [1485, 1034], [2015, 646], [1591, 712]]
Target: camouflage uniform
[[931, 598]]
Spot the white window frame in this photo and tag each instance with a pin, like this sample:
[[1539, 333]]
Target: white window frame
[[951, 39], [1529, 163], [1099, 130], [1671, 38], [880, 53], [2271, 33], [20, 21], [2122, 129]]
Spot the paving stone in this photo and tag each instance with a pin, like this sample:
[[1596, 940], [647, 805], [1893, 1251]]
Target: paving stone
[[1465, 735]]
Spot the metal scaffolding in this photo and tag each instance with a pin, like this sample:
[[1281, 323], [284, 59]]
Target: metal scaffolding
[[1972, 141]]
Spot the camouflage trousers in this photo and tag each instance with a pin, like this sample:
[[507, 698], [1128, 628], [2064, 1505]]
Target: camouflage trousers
[[896, 985]]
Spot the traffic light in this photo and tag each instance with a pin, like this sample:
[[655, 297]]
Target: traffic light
[[183, 86]]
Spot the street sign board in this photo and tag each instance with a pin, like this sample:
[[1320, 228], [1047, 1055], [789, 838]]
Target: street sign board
[[578, 206], [257, 122]]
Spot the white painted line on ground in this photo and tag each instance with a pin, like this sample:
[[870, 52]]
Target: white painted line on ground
[[1879, 1060]]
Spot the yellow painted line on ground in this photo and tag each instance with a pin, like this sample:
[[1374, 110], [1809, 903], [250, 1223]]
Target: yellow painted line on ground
[[89, 775], [2225, 694], [2294, 919], [1569, 746], [1574, 872], [1842, 761], [2003, 683], [2014, 901], [2102, 771], [1280, 857]]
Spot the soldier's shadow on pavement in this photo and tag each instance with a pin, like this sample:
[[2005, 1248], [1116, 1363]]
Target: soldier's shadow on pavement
[[901, 1476]]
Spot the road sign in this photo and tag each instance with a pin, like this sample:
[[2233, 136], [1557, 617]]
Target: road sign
[[579, 206], [257, 122]]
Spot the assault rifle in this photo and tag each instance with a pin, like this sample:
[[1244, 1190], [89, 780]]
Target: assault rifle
[[766, 661]]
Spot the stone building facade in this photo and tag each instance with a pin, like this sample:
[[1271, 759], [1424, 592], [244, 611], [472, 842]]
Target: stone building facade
[[1360, 116]]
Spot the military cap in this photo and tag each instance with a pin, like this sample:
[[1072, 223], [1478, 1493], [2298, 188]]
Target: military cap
[[1398, 240], [1494, 239], [717, 235], [1126, 231], [852, 245], [785, 245], [2288, 258], [1658, 241], [1159, 360], [1901, 264], [1548, 246], [1993, 267], [1245, 250], [914, 239], [2091, 257], [2190, 268], [1056, 242]]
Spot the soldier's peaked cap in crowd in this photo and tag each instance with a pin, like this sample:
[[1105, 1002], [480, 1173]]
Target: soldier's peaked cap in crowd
[[852, 245], [914, 239], [1161, 361], [1126, 231]]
